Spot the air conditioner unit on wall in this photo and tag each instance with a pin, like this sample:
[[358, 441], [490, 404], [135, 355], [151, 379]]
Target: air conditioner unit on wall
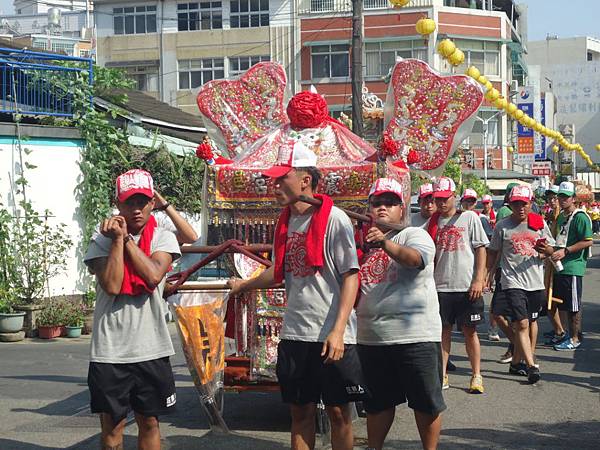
[[514, 86]]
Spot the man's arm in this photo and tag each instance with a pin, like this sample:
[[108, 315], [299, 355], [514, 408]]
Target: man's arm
[[491, 262], [110, 270], [479, 275], [185, 233], [333, 347], [151, 269], [265, 280], [406, 256]]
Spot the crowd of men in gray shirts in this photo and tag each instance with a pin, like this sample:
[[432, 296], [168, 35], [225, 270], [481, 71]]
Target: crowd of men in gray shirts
[[366, 321]]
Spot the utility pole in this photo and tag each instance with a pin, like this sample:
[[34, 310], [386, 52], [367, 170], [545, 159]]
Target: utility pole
[[357, 66]]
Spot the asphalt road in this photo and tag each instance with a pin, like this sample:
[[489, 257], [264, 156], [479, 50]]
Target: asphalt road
[[44, 400]]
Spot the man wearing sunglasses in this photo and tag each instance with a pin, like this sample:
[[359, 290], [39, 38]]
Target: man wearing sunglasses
[[399, 326]]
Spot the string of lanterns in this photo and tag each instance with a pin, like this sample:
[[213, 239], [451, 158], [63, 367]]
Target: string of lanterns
[[448, 50]]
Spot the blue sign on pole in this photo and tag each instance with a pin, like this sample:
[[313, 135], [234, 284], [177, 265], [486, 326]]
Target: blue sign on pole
[[522, 131], [542, 153]]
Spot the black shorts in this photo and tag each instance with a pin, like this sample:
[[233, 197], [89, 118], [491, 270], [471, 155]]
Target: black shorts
[[304, 378], [519, 304], [146, 387], [404, 372], [569, 289], [456, 307]]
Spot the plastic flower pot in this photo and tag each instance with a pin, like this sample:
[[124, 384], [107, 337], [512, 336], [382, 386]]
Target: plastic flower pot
[[11, 323], [73, 332], [50, 332]]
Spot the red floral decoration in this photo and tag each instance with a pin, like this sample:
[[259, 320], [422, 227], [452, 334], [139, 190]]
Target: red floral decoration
[[307, 110], [388, 147], [204, 151], [412, 157]]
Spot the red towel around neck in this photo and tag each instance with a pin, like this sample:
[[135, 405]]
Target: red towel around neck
[[315, 236], [133, 284], [432, 226], [535, 221]]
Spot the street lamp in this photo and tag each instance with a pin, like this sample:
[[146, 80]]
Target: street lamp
[[484, 123]]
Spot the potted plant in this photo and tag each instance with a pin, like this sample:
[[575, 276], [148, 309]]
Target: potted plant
[[51, 319], [74, 316], [11, 321]]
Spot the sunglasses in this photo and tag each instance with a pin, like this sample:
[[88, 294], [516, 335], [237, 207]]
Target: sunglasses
[[384, 202]]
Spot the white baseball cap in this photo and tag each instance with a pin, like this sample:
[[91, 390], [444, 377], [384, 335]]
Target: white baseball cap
[[425, 190], [469, 193], [383, 185], [566, 188], [487, 198], [444, 187], [521, 193], [292, 154]]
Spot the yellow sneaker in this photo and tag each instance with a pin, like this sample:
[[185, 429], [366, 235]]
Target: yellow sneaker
[[476, 386], [446, 384]]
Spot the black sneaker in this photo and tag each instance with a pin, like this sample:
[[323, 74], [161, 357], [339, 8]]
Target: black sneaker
[[533, 375], [450, 367], [518, 369]]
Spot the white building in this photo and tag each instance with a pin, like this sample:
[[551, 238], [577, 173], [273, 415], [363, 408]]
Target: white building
[[42, 7]]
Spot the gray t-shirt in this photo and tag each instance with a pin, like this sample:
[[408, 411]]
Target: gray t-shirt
[[417, 219], [313, 297], [130, 329], [399, 305], [457, 238], [521, 267]]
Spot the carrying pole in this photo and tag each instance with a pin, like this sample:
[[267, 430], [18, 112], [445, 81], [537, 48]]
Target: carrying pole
[[357, 66]]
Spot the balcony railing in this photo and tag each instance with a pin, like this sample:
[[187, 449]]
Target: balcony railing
[[325, 6], [35, 84]]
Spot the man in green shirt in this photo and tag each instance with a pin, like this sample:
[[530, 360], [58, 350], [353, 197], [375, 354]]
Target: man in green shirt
[[505, 211], [573, 243]]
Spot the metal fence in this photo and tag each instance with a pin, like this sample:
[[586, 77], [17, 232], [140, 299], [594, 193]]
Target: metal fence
[[36, 84]]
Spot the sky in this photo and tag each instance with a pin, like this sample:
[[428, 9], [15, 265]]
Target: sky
[[555, 17]]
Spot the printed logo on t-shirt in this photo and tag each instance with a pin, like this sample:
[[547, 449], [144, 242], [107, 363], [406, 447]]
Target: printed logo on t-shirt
[[523, 243], [355, 390], [450, 238], [171, 400], [295, 256], [375, 268], [534, 315], [475, 317]]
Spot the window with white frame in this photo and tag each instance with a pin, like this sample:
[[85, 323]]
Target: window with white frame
[[376, 4], [321, 5], [199, 16], [134, 20], [144, 73], [330, 61], [239, 64], [195, 72], [62, 47], [380, 57], [485, 55], [249, 13]]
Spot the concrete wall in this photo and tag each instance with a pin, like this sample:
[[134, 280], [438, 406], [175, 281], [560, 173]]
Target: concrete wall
[[56, 152]]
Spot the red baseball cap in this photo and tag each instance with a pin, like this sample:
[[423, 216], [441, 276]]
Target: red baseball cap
[[293, 154], [469, 193], [444, 187], [425, 190], [136, 181], [521, 193], [383, 185], [486, 198]]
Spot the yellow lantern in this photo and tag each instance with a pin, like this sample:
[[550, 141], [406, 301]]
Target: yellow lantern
[[518, 114], [537, 127], [488, 86], [425, 26], [446, 48], [510, 149], [511, 108], [531, 122], [598, 147], [500, 103], [492, 95], [399, 3], [555, 148], [473, 72], [482, 80], [457, 57]]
